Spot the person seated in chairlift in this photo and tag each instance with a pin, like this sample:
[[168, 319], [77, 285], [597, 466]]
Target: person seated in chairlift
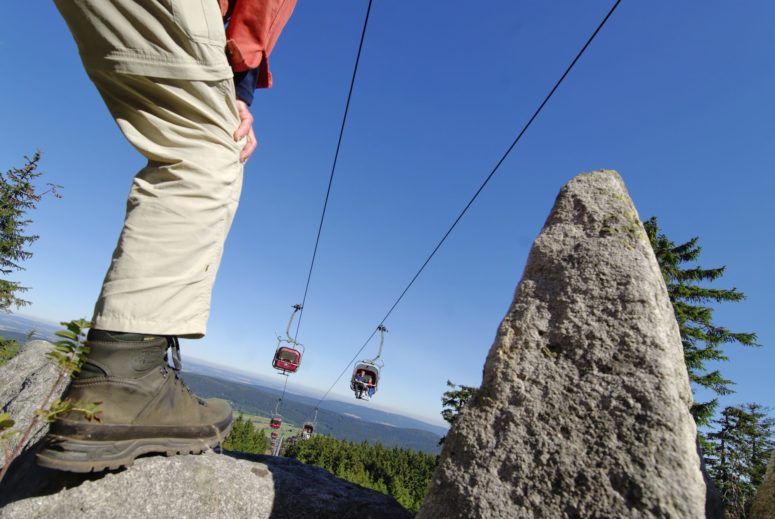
[[361, 383]]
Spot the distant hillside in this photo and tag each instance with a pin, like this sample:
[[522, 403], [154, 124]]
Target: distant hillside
[[21, 338], [368, 413], [13, 326], [262, 401]]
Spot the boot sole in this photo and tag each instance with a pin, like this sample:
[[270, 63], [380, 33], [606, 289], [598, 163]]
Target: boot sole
[[75, 455]]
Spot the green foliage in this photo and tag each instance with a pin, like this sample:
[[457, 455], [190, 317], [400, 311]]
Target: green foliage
[[702, 340], [453, 401], [737, 455], [90, 410], [6, 427], [8, 348], [18, 195], [401, 473], [70, 352], [246, 437]]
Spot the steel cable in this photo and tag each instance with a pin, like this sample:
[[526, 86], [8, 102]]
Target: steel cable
[[333, 167], [477, 193]]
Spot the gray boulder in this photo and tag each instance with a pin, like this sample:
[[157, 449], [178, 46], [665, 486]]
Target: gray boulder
[[211, 485], [764, 502], [584, 405], [27, 379]]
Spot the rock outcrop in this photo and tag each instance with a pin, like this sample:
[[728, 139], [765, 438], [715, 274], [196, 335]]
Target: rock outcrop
[[764, 502], [212, 485], [27, 380], [232, 485], [584, 405]]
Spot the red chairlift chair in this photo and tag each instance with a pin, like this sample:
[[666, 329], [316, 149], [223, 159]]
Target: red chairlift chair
[[276, 422], [287, 356], [286, 359]]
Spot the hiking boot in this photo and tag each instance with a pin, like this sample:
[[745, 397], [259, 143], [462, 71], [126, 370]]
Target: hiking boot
[[145, 407]]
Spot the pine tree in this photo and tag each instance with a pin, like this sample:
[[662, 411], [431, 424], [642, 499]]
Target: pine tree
[[738, 454], [453, 401], [246, 437], [702, 340], [18, 195], [8, 348], [762, 441], [401, 473]]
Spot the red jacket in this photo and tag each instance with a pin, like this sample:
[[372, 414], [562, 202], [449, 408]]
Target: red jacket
[[254, 26]]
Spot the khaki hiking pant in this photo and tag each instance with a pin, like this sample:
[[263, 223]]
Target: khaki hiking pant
[[162, 72]]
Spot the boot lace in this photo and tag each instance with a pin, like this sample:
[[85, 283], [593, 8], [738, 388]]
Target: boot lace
[[173, 347]]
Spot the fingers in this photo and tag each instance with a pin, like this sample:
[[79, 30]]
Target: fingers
[[245, 129], [250, 146], [246, 120]]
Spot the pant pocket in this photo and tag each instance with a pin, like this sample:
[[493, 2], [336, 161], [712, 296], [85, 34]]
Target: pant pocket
[[200, 19]]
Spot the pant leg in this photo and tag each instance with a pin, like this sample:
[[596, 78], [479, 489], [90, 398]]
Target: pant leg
[[180, 205]]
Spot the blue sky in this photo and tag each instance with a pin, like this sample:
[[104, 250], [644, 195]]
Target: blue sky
[[676, 96]]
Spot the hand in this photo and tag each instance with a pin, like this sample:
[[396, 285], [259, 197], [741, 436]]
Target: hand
[[245, 130]]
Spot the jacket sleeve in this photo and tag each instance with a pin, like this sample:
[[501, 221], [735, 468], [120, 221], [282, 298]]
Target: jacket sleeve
[[252, 31]]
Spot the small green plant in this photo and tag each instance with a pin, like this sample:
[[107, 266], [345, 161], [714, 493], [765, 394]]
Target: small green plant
[[69, 353], [6, 426], [8, 348], [6, 431], [90, 410]]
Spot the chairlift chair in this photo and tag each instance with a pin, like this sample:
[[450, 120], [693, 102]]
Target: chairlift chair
[[287, 356], [371, 368], [276, 422], [309, 427]]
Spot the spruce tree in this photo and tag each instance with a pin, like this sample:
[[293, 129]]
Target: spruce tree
[[453, 401], [246, 437], [18, 196], [401, 473], [738, 453], [760, 431], [702, 339]]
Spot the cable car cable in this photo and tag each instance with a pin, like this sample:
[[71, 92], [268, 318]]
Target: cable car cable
[[333, 166], [330, 184], [500, 161], [478, 191], [284, 387]]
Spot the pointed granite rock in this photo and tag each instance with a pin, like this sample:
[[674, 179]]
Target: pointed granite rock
[[764, 502], [584, 405]]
